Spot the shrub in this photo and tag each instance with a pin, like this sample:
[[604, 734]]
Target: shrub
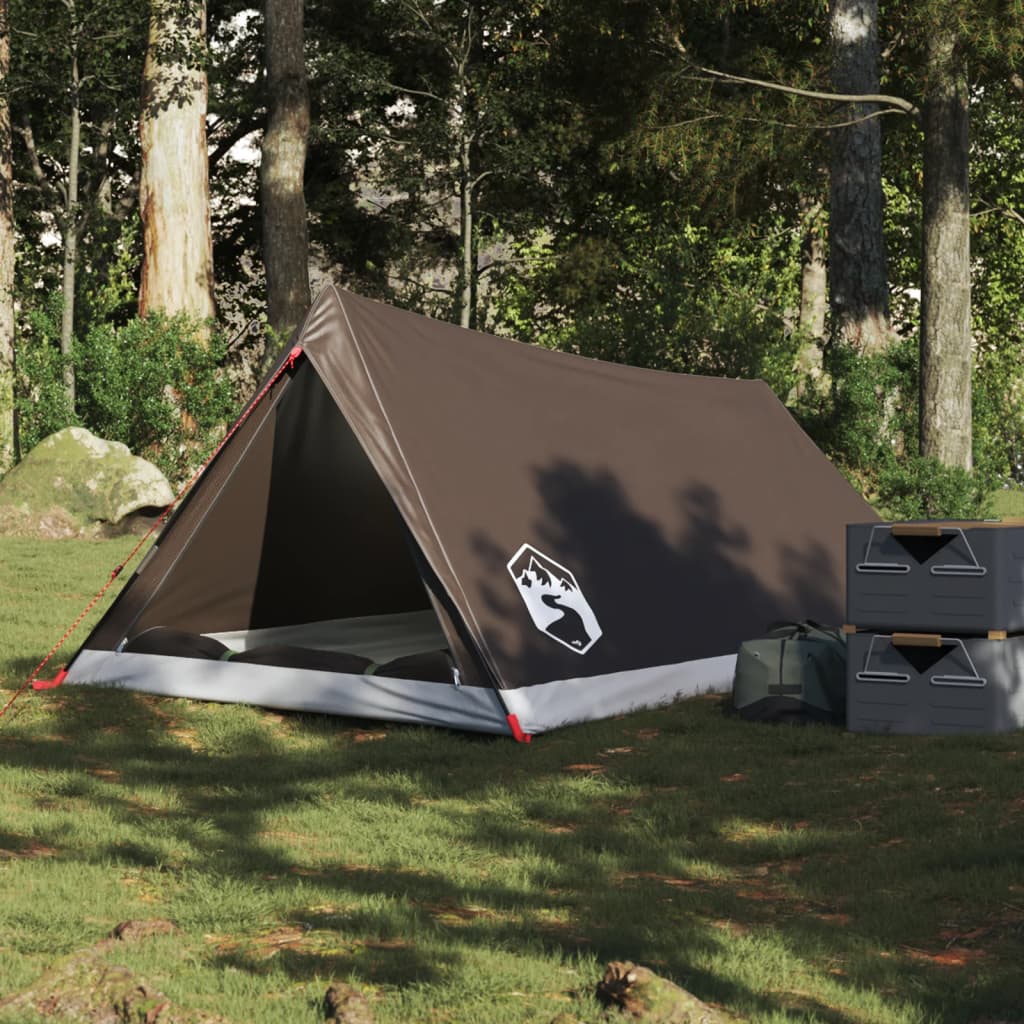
[[919, 488], [40, 399], [155, 385], [868, 425]]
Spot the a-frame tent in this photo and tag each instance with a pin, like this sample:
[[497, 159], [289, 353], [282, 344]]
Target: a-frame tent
[[427, 524]]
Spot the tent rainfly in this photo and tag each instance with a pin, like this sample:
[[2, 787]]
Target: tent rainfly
[[422, 523]]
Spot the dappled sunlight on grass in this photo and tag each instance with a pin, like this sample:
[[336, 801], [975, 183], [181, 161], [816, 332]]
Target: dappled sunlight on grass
[[789, 874]]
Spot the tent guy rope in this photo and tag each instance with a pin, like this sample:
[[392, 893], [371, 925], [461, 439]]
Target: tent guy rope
[[33, 679]]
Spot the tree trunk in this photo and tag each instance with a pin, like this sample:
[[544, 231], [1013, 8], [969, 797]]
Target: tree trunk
[[174, 191], [70, 232], [813, 301], [945, 413], [857, 260], [285, 141], [813, 278], [467, 265], [7, 423]]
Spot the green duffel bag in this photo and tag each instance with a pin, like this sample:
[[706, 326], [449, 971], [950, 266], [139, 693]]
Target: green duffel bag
[[795, 674]]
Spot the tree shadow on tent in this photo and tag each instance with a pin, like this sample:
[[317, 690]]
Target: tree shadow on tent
[[714, 583]]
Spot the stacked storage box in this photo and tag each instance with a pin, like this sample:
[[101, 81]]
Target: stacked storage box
[[936, 636]]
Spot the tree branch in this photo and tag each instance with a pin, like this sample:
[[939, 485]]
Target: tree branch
[[414, 92], [222, 144], [896, 103], [774, 123], [1004, 211], [25, 130]]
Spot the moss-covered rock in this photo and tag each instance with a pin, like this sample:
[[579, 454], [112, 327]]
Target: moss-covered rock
[[76, 479]]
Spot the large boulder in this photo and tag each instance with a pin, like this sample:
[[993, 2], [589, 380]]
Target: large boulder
[[72, 482]]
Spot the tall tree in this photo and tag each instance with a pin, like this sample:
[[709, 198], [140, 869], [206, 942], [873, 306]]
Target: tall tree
[[88, 47], [449, 113], [929, 47], [282, 167], [7, 424], [174, 190], [858, 272], [945, 409]]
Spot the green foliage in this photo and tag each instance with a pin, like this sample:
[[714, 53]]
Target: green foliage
[[647, 286], [868, 426], [917, 488], [107, 288], [998, 404], [40, 399], [154, 384]]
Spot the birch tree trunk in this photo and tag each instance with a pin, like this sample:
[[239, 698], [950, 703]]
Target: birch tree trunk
[[7, 423], [282, 167], [813, 276], [945, 410], [859, 297], [71, 228], [174, 190], [467, 247], [813, 299]]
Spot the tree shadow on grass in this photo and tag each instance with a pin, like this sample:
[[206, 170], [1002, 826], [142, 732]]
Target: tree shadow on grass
[[570, 870], [670, 837]]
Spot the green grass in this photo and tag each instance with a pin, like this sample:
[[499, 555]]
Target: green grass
[[787, 874], [1008, 503]]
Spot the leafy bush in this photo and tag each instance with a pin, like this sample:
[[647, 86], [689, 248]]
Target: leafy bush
[[40, 399], [919, 488], [154, 384], [868, 425], [998, 401]]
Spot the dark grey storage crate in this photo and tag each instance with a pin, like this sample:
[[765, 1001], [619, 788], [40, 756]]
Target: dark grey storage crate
[[914, 683], [949, 577]]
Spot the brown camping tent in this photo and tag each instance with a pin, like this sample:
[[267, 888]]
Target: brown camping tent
[[427, 524]]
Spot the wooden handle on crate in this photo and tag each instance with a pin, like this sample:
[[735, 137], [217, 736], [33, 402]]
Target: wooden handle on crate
[[916, 530], [916, 640]]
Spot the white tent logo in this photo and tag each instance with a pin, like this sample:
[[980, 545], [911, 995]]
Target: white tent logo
[[554, 600]]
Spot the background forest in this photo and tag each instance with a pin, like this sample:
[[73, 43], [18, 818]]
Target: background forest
[[826, 195]]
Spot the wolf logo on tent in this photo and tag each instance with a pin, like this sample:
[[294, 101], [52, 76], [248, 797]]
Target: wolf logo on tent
[[346, 551], [554, 599]]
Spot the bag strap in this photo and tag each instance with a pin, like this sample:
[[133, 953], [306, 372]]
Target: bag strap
[[806, 627]]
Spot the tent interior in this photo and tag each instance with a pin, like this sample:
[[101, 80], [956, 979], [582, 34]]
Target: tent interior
[[333, 582]]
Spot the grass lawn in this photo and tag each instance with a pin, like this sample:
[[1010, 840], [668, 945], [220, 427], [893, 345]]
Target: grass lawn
[[787, 874], [1008, 503]]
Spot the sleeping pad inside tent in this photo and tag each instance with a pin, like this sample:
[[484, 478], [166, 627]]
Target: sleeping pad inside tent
[[421, 523]]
